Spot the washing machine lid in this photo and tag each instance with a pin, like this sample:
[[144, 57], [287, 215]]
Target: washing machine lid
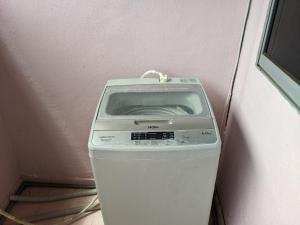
[[153, 106]]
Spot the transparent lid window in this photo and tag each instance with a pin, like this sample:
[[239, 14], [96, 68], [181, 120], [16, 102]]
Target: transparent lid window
[[154, 103]]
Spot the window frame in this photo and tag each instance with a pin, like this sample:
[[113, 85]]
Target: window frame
[[280, 78]]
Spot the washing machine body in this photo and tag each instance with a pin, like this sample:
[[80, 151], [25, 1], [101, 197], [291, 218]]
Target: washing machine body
[[154, 149]]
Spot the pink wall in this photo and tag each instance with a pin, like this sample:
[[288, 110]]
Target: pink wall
[[9, 175], [58, 55], [260, 170]]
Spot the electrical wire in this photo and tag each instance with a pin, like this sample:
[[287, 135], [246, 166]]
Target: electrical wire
[[13, 218], [60, 213], [227, 112], [89, 205], [161, 76], [79, 215]]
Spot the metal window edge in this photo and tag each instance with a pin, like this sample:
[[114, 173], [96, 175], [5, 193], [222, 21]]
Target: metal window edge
[[278, 77]]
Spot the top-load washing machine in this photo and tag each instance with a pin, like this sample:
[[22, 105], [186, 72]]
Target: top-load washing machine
[[154, 148]]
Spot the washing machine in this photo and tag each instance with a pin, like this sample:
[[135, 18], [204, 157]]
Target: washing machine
[[154, 148]]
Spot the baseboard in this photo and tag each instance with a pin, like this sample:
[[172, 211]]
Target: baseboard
[[13, 189], [59, 180]]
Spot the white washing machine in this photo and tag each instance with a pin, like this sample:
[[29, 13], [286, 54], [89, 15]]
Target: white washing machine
[[154, 149]]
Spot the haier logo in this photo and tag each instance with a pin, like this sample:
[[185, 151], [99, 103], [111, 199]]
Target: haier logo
[[153, 127], [206, 133]]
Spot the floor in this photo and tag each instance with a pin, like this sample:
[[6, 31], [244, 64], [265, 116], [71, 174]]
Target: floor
[[29, 211]]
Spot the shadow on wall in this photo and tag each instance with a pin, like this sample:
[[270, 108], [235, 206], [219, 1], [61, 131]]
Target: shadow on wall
[[236, 167], [28, 120]]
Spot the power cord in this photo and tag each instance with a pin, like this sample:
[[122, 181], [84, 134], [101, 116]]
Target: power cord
[[161, 76]]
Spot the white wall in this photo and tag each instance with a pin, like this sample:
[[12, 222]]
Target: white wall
[[59, 54], [259, 178]]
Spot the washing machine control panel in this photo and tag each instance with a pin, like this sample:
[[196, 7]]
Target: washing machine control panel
[[161, 135], [154, 138]]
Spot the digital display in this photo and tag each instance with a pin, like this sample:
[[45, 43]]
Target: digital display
[[152, 135]]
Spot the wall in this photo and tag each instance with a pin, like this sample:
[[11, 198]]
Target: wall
[[259, 179], [59, 54], [9, 175]]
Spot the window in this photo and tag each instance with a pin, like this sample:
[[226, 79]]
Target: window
[[279, 55]]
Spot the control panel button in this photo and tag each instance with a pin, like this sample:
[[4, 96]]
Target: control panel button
[[162, 135]]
